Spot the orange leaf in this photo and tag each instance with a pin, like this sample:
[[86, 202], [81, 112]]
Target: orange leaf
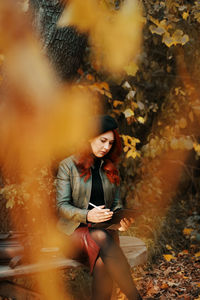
[[187, 231], [117, 102], [164, 286], [105, 86], [168, 257], [184, 252], [80, 71], [90, 77]]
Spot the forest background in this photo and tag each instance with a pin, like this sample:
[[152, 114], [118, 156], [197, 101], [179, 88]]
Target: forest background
[[154, 96]]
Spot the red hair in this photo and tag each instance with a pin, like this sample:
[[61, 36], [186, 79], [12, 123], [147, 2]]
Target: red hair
[[85, 160]]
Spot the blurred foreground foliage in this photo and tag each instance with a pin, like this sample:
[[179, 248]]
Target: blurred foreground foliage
[[156, 102]]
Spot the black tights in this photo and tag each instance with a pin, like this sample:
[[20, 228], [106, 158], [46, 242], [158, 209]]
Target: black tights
[[111, 264]]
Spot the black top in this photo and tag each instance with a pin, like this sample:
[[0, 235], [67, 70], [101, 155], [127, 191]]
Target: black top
[[97, 195]]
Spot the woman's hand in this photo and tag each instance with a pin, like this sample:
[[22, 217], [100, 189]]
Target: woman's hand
[[125, 224], [96, 215]]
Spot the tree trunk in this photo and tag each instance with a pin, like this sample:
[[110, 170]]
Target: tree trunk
[[64, 46]]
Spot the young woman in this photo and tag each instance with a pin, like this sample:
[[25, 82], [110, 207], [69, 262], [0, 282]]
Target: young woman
[[88, 192]]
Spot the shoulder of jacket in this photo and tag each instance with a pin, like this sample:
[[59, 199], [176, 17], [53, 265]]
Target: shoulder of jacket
[[67, 162]]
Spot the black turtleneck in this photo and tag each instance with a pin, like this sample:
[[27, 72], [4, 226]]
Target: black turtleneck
[[97, 195]]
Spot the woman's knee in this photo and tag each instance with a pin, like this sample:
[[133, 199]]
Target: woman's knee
[[101, 237]]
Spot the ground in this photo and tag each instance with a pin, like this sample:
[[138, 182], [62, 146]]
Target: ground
[[178, 278], [176, 273]]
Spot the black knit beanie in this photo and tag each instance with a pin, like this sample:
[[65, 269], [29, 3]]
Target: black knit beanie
[[106, 123]]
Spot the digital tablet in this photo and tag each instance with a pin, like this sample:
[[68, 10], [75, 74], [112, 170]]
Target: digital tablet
[[118, 215]]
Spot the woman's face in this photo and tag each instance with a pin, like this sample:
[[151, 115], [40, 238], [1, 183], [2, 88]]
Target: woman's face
[[102, 144]]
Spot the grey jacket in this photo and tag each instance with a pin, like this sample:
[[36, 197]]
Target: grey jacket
[[73, 195]]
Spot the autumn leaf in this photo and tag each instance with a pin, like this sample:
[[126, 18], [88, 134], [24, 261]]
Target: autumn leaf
[[128, 113], [90, 77], [178, 37], [197, 148], [104, 85], [187, 231], [167, 40], [157, 30], [185, 15], [164, 286], [80, 71], [141, 120], [168, 247], [117, 102], [184, 252], [168, 257], [197, 254], [131, 69]]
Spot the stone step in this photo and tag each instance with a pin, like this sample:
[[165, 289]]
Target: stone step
[[133, 248]]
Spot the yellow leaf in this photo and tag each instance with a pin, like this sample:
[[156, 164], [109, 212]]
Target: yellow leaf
[[167, 40], [130, 153], [10, 203], [141, 120], [179, 37], [168, 247], [176, 38], [157, 30], [126, 148], [168, 257], [197, 254], [187, 231], [185, 15], [128, 113], [196, 147], [131, 69]]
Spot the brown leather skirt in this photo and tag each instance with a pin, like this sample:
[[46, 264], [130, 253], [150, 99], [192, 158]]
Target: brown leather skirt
[[85, 248]]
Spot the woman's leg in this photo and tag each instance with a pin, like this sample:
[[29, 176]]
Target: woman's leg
[[102, 283], [115, 262]]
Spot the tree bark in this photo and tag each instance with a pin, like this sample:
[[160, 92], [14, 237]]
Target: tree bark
[[65, 47]]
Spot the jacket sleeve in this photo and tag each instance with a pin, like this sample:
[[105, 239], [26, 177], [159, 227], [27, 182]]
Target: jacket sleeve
[[64, 201], [117, 203]]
